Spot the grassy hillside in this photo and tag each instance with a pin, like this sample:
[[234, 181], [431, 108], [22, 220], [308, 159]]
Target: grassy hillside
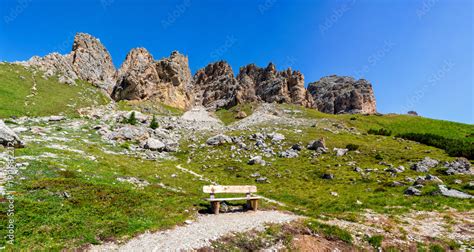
[[25, 93]]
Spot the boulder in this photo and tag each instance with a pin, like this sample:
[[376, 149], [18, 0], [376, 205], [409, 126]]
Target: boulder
[[341, 94], [154, 144], [257, 160], [425, 165], [340, 152], [412, 191], [317, 144], [459, 166], [453, 193], [219, 140], [8, 138]]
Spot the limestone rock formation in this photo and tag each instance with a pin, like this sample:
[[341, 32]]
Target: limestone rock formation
[[269, 85], [88, 60], [92, 62], [215, 86], [141, 77], [340, 94]]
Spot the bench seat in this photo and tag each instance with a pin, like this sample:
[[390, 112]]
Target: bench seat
[[230, 199]]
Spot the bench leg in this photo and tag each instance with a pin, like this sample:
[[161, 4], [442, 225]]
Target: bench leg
[[215, 206], [254, 204]]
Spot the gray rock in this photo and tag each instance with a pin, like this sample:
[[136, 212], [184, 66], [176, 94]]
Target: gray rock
[[425, 165], [56, 118], [340, 152], [296, 147], [453, 193], [219, 140], [290, 153], [277, 137], [261, 180], [154, 144], [327, 176], [314, 145], [257, 160], [412, 191], [8, 137], [459, 166]]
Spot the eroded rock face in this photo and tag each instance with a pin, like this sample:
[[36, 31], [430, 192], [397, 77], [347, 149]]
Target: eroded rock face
[[269, 85], [215, 86], [92, 62], [8, 138], [341, 94], [88, 60], [141, 77]]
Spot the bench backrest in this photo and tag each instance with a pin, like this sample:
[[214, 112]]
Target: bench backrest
[[229, 189]]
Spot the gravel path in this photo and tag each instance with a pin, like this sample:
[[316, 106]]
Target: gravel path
[[199, 233]]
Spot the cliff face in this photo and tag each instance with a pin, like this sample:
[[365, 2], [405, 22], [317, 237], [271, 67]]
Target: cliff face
[[269, 85], [169, 81], [341, 94], [141, 77]]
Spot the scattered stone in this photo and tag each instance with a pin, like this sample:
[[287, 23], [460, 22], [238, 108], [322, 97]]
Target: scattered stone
[[290, 153], [296, 147], [412, 191], [219, 140], [340, 152], [56, 118], [335, 194], [240, 115], [459, 166], [257, 160], [425, 165], [453, 193], [327, 176], [277, 137], [261, 180], [317, 144]]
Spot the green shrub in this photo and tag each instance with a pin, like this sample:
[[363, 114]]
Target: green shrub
[[454, 147], [131, 119], [436, 248], [154, 123], [381, 132], [375, 241], [352, 147], [379, 156]]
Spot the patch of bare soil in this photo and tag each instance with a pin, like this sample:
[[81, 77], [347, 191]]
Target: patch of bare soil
[[309, 243]]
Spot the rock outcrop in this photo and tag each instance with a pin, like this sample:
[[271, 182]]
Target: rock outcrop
[[8, 138], [341, 94], [215, 86], [142, 78], [88, 60], [92, 62], [269, 85]]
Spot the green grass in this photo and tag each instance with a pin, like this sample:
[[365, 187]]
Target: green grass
[[51, 97], [152, 107], [227, 116]]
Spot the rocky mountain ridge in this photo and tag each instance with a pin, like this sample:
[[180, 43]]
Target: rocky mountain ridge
[[169, 81]]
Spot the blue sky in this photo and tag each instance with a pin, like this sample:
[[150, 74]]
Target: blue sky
[[417, 54]]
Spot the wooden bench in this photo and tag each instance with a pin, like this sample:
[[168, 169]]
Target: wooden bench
[[252, 200]]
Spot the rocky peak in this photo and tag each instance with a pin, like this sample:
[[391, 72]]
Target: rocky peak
[[214, 86], [165, 81], [92, 62], [342, 94]]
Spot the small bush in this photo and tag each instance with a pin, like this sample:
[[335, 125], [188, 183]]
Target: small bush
[[154, 123], [375, 241], [454, 147], [380, 132], [436, 248], [378, 156], [352, 147], [353, 118], [131, 119]]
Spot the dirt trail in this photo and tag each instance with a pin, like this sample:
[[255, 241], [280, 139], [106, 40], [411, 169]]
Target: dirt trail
[[200, 233]]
